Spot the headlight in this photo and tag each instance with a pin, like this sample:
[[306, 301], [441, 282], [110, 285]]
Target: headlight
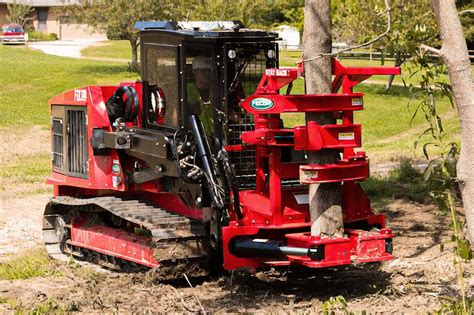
[[232, 54], [271, 54]]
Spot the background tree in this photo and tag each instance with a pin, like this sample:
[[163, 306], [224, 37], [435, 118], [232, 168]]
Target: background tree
[[413, 24], [20, 14], [466, 15], [118, 17], [455, 55], [291, 13], [252, 13]]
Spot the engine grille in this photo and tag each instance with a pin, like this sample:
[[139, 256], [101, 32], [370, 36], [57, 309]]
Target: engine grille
[[58, 147], [77, 143]]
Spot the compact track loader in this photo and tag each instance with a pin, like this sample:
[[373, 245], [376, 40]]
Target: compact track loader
[[192, 169]]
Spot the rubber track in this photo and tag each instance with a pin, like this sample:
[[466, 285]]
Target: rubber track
[[180, 242]]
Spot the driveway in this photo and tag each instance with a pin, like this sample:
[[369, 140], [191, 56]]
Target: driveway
[[65, 48]]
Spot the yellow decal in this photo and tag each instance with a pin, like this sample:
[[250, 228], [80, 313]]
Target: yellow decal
[[346, 136]]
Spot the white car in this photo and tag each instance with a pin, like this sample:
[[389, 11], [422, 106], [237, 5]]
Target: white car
[[13, 34]]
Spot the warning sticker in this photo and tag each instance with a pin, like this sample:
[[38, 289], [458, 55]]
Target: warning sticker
[[345, 136], [358, 101], [311, 174]]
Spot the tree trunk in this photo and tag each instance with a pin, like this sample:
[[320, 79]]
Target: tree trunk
[[134, 64], [399, 60], [325, 200], [454, 54]]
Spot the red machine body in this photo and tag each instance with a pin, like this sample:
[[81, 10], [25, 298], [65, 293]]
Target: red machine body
[[272, 210], [101, 168], [269, 212], [136, 180]]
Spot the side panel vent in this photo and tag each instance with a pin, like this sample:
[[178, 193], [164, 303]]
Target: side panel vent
[[58, 144], [77, 143]]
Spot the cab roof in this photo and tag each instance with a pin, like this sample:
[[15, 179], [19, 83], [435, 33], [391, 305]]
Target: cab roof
[[203, 29]]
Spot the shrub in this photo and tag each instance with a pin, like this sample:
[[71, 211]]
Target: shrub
[[39, 36]]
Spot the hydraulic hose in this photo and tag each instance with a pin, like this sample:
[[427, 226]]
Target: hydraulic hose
[[204, 153]]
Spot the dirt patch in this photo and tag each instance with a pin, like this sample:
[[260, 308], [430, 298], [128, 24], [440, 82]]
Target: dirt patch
[[21, 204], [23, 142], [20, 224], [411, 283], [384, 169], [64, 48]]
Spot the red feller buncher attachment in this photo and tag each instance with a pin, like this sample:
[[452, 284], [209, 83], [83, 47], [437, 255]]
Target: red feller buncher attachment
[[192, 169]]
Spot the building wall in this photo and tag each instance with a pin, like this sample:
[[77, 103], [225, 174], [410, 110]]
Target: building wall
[[53, 25], [52, 22], [290, 37], [78, 31], [3, 14]]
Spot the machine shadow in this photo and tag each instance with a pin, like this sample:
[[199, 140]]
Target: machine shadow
[[303, 285]]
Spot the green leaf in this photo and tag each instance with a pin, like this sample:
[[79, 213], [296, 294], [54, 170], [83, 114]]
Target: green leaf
[[440, 124], [414, 114], [441, 201], [464, 249], [453, 151], [428, 171], [425, 150]]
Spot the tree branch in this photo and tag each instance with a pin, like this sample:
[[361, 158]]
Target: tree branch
[[465, 11], [430, 49], [387, 11]]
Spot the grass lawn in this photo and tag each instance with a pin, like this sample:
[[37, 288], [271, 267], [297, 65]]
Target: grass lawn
[[110, 49], [387, 130], [26, 169], [291, 58], [29, 78], [34, 263], [121, 49]]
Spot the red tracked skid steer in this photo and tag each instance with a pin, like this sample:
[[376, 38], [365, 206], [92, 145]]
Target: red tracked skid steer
[[192, 169]]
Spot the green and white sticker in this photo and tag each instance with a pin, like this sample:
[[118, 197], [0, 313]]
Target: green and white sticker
[[116, 169], [261, 103]]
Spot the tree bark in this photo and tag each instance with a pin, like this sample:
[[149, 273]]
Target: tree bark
[[399, 60], [455, 55], [325, 200]]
